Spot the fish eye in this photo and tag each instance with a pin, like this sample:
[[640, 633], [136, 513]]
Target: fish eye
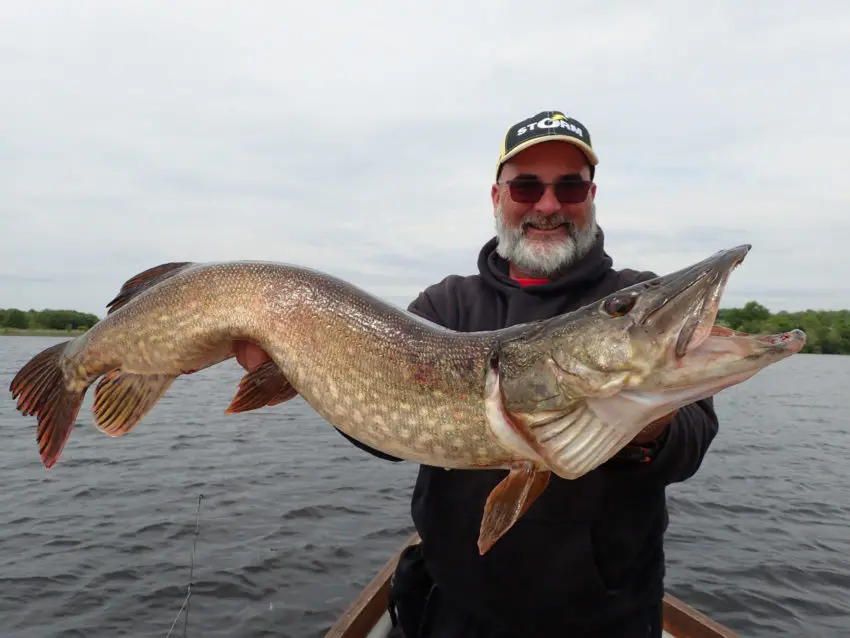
[[618, 305]]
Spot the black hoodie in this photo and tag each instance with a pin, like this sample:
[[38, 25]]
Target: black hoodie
[[588, 552]]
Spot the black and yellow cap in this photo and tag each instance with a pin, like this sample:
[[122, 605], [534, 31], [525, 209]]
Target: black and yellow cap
[[547, 126]]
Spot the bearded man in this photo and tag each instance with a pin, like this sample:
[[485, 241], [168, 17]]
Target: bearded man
[[586, 559]]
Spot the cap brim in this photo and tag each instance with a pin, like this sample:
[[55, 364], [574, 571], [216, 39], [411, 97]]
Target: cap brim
[[583, 146]]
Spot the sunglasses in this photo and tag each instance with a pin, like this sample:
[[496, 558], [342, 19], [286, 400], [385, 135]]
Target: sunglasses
[[528, 189]]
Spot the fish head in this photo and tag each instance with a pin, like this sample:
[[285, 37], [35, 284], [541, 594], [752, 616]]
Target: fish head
[[660, 336], [635, 355]]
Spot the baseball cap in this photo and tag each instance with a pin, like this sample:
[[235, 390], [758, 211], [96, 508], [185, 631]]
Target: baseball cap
[[547, 126]]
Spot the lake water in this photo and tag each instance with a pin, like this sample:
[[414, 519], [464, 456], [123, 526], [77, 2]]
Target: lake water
[[295, 520]]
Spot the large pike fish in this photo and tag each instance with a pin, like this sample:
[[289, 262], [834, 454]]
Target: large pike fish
[[561, 395]]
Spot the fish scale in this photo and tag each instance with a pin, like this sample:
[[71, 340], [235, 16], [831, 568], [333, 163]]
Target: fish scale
[[384, 377]]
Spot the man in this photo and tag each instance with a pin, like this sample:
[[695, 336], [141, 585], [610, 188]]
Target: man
[[587, 558]]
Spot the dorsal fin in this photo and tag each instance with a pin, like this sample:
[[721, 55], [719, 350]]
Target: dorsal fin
[[144, 280]]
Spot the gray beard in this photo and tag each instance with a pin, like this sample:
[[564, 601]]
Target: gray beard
[[544, 259]]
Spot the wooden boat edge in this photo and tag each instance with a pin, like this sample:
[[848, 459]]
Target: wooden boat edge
[[364, 612], [369, 609]]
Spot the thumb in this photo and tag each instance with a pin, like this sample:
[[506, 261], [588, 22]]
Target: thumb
[[248, 355]]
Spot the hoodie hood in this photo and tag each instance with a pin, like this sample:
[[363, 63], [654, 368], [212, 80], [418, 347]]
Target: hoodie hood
[[585, 272]]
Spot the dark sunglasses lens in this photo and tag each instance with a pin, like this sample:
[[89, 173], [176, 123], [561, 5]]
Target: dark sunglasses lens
[[526, 191], [571, 191]]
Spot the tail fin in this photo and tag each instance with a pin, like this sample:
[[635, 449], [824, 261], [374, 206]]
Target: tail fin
[[144, 280], [40, 390]]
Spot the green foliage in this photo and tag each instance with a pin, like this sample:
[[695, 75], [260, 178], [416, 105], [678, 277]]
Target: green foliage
[[46, 319], [15, 318], [827, 331]]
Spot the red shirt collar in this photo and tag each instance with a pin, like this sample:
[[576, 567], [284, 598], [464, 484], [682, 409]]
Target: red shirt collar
[[529, 281]]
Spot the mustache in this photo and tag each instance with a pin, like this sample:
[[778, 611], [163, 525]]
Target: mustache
[[555, 219]]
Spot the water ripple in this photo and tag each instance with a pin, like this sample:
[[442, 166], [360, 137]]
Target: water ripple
[[295, 521]]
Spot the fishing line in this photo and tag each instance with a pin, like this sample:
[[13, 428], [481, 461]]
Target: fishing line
[[186, 600]]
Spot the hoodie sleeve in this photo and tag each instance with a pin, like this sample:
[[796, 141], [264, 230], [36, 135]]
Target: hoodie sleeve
[[680, 449], [423, 307], [438, 303], [370, 450]]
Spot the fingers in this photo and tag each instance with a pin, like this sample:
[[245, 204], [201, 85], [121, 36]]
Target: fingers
[[654, 429], [249, 356]]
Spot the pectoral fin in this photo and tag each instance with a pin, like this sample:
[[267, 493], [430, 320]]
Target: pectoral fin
[[122, 399], [578, 441], [264, 386], [570, 443], [509, 500]]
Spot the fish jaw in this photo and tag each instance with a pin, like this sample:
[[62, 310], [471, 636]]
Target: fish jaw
[[718, 363], [719, 360], [601, 425]]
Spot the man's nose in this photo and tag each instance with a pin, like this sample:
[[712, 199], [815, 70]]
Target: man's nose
[[548, 204]]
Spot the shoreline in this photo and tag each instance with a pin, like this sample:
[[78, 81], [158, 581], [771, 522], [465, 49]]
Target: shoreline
[[38, 332]]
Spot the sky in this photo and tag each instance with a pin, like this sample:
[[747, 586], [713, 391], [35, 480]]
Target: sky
[[361, 138]]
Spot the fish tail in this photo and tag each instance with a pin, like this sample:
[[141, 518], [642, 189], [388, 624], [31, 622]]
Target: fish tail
[[40, 390]]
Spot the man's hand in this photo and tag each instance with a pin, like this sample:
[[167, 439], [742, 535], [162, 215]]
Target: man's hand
[[654, 429], [249, 355]]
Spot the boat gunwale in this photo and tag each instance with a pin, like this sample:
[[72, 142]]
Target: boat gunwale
[[364, 612]]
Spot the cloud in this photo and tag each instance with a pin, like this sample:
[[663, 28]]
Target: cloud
[[18, 279], [360, 138]]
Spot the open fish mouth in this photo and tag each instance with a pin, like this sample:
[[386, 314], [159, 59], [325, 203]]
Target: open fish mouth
[[704, 356], [700, 358], [725, 357], [697, 329], [685, 304]]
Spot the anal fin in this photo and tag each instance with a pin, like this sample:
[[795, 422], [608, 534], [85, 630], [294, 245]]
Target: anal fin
[[264, 386], [509, 500], [122, 399]]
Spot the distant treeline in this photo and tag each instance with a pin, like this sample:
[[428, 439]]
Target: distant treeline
[[47, 319], [827, 331]]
